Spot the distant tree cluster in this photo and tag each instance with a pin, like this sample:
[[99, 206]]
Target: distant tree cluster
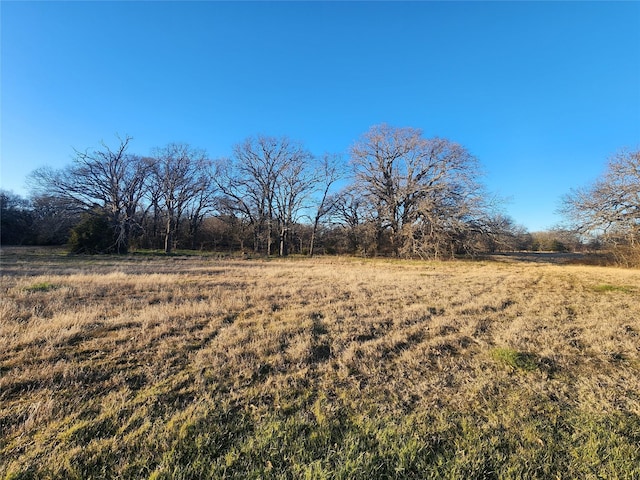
[[608, 211], [39, 221], [398, 194]]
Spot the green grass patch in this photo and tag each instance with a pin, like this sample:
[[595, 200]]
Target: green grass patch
[[605, 287], [41, 287], [514, 359], [335, 441]]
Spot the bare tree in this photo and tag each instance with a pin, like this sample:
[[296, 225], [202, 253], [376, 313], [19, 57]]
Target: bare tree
[[330, 170], [182, 177], [610, 207], [358, 221], [203, 204], [266, 182], [424, 191], [378, 159], [109, 180], [294, 186], [152, 216]]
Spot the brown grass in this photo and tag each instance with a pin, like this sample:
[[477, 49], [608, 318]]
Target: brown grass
[[116, 366]]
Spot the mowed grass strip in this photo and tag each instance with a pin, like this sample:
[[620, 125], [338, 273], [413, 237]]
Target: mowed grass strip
[[187, 367]]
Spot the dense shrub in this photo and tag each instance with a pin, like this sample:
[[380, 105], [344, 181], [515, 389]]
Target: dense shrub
[[93, 234]]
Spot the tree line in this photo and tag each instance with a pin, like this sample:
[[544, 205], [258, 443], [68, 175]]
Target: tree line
[[398, 193], [608, 210]]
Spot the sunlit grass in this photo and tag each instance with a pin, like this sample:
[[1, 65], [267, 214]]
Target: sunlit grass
[[203, 367]]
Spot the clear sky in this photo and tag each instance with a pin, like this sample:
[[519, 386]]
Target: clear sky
[[541, 92]]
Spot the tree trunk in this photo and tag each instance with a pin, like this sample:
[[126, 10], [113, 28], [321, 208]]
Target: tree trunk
[[284, 251], [123, 240], [168, 240], [312, 243]]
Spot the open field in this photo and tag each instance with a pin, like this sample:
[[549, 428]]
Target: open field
[[189, 367]]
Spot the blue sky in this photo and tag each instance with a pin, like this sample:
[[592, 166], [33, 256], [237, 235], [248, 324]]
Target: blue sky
[[541, 92]]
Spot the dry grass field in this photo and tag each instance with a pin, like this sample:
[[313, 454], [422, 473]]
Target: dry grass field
[[197, 367]]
